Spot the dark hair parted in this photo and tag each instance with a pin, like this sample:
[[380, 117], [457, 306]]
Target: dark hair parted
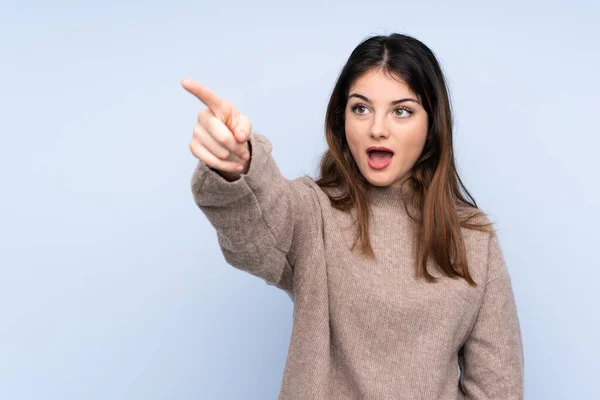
[[433, 181]]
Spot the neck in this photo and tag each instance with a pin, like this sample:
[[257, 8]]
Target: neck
[[388, 196]]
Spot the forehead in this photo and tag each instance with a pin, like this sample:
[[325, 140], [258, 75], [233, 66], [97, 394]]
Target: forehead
[[377, 84]]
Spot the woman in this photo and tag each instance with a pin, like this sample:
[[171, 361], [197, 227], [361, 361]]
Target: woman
[[397, 278]]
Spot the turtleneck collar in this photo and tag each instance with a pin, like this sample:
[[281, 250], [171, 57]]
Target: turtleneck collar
[[388, 196]]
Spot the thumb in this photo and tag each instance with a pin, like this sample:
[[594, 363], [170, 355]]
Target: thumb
[[243, 129]]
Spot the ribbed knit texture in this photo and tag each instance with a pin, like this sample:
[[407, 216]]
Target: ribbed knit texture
[[366, 329]]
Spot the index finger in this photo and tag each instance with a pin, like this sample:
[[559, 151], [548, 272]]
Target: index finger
[[204, 94]]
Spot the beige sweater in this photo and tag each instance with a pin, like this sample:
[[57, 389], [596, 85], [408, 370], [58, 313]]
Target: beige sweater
[[365, 329]]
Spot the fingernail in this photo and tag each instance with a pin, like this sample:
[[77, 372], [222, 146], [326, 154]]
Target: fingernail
[[242, 134], [245, 156]]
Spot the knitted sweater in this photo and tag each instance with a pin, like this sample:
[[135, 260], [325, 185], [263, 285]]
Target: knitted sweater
[[363, 328]]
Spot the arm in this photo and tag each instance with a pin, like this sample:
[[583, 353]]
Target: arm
[[491, 359], [262, 219]]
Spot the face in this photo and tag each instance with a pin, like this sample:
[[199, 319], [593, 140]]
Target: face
[[374, 118]]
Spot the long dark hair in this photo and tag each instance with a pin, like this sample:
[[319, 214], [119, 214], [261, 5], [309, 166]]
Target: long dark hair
[[433, 181]]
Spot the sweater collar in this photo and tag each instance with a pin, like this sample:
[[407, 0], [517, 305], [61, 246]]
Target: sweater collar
[[388, 196]]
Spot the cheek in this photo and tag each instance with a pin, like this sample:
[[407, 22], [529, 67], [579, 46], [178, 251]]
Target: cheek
[[422, 136], [418, 140], [417, 132], [353, 147], [352, 137], [415, 142], [410, 144]]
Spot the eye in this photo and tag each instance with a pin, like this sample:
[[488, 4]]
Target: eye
[[408, 111], [357, 106], [405, 112]]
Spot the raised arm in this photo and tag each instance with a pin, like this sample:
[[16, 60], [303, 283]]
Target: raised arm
[[491, 360], [262, 219]]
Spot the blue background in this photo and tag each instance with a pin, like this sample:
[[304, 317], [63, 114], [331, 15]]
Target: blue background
[[112, 284]]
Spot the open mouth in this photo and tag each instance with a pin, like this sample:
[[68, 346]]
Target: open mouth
[[379, 158]]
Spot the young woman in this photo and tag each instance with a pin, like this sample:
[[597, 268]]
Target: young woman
[[399, 284]]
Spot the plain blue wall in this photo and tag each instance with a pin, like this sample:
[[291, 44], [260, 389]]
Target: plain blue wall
[[112, 285]]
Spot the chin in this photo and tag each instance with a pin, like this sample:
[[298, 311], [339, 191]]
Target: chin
[[380, 180], [382, 184]]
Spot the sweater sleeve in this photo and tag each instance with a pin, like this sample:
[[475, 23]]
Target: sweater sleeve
[[491, 359], [262, 220]]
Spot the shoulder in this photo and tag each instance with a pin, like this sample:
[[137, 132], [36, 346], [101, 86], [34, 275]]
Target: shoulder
[[322, 200], [307, 184], [481, 239], [475, 219]]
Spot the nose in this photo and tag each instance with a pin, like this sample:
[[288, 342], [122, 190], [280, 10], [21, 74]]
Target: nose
[[378, 129]]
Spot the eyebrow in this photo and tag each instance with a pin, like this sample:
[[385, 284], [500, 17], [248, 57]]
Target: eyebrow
[[391, 103]]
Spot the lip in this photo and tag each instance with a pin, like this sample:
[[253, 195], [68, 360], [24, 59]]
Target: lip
[[379, 166], [382, 148]]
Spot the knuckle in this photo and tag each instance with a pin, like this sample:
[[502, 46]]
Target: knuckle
[[222, 140], [223, 154], [232, 168], [194, 150], [197, 131], [202, 114]]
